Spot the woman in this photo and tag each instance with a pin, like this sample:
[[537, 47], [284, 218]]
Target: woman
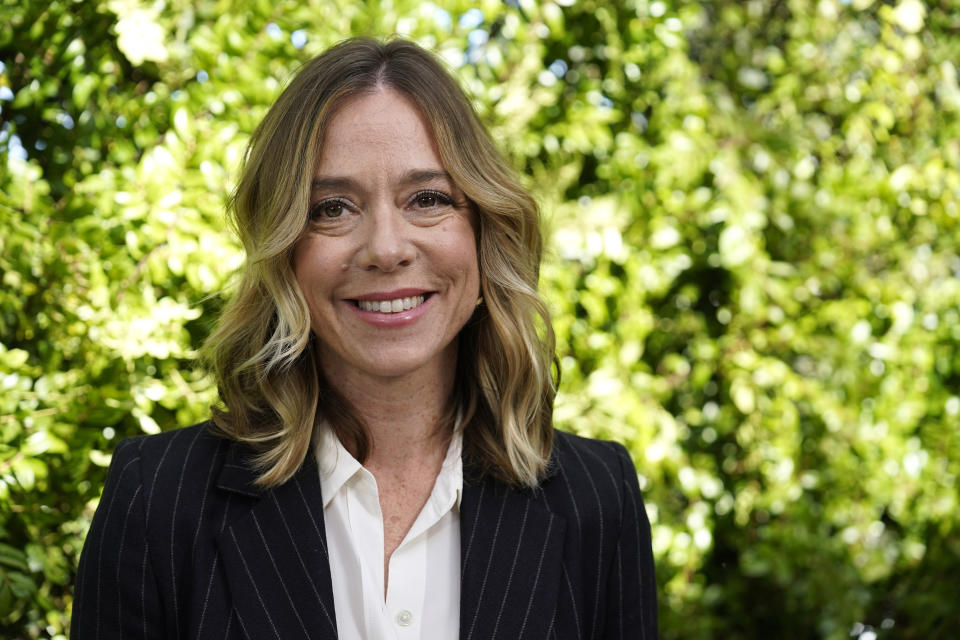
[[385, 465]]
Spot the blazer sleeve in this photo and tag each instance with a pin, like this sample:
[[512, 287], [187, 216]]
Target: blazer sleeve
[[116, 591], [631, 590]]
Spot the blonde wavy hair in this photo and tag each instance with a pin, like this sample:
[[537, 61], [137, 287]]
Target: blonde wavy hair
[[261, 351]]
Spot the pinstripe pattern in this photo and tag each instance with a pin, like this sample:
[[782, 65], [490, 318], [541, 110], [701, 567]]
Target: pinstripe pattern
[[185, 545], [513, 567], [536, 580], [303, 564], [316, 527], [173, 526], [273, 563], [99, 581], [486, 573], [123, 535], [596, 589], [256, 590], [473, 529], [570, 592]]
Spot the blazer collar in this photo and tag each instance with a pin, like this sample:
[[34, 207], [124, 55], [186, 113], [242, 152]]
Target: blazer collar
[[238, 474], [277, 566]]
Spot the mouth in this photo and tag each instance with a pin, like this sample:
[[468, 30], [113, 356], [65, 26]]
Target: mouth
[[396, 305]]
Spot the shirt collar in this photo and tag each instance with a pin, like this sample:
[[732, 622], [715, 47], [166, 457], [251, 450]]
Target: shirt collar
[[337, 466], [450, 479]]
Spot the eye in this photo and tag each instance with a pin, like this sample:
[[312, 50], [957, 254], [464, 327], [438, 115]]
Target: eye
[[431, 199], [327, 209]]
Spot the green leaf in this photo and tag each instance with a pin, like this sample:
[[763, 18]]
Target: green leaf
[[11, 557]]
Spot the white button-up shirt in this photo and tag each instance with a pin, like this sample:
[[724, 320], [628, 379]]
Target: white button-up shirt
[[423, 595]]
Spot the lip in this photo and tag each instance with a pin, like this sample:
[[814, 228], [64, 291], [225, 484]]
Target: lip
[[392, 320]]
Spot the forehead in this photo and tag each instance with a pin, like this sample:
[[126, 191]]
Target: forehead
[[380, 129]]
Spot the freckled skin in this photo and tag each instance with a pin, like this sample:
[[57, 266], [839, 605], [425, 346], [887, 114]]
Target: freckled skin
[[383, 241]]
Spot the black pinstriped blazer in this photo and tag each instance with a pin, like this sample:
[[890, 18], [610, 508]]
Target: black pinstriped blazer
[[184, 545]]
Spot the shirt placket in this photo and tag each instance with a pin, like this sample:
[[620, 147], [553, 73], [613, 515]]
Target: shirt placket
[[407, 588], [366, 525]]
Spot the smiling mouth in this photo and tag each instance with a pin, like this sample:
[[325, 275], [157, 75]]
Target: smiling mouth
[[391, 306]]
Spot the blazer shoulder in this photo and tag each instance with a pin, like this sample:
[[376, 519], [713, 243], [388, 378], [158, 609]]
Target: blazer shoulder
[[174, 459], [198, 440], [590, 471], [153, 532], [606, 453]]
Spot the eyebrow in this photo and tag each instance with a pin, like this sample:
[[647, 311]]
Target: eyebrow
[[331, 183], [425, 175], [417, 176]]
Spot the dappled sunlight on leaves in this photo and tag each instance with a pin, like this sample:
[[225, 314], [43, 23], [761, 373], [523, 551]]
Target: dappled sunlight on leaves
[[751, 219]]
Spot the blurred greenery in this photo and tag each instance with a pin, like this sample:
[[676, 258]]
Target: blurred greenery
[[752, 221]]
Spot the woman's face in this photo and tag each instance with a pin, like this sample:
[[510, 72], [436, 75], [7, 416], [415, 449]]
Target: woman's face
[[388, 264]]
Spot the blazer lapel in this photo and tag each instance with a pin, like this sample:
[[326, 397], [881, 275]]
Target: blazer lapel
[[275, 556], [511, 549]]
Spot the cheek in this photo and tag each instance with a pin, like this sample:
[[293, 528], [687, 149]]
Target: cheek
[[302, 268], [302, 251], [475, 272], [472, 283], [467, 264], [463, 249], [311, 265]]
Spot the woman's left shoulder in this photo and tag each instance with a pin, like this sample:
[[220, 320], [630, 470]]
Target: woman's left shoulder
[[592, 472], [593, 457]]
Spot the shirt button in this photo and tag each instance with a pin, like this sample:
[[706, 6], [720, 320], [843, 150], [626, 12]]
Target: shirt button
[[404, 618]]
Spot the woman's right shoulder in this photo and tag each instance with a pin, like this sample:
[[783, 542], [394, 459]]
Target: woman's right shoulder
[[158, 518], [205, 432], [170, 456], [172, 481]]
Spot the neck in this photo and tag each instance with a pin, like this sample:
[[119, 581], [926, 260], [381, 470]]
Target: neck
[[405, 416]]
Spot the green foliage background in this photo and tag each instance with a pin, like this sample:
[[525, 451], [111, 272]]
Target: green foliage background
[[752, 222]]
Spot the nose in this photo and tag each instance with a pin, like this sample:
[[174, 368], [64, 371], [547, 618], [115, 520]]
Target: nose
[[387, 244]]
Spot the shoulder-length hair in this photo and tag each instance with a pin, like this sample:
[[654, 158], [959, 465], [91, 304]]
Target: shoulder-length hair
[[261, 351]]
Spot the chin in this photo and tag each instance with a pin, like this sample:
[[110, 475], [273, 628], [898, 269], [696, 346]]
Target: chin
[[401, 364]]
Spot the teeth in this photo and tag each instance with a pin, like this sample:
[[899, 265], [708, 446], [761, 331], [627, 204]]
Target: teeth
[[390, 306]]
